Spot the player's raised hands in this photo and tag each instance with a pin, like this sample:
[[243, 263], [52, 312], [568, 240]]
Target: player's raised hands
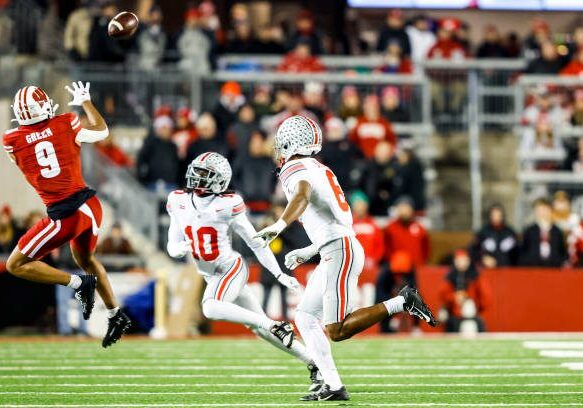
[[298, 256], [290, 282], [80, 93]]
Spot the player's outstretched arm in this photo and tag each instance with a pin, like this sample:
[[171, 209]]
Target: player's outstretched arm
[[243, 227], [293, 211], [96, 130]]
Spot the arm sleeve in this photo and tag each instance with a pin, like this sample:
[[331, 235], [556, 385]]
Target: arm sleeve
[[175, 236], [91, 136], [243, 227]]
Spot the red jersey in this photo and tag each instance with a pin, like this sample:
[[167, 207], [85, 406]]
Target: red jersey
[[47, 155], [366, 134], [411, 238], [572, 68]]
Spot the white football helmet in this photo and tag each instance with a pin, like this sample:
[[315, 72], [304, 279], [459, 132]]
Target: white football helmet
[[297, 135], [32, 105], [208, 173]]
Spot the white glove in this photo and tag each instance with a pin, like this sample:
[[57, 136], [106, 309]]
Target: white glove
[[290, 282], [80, 93], [268, 234], [179, 249], [299, 256]]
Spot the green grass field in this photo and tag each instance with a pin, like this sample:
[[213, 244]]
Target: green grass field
[[400, 372]]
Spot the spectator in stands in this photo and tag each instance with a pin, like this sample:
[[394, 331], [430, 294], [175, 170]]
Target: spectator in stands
[[152, 40], [241, 131], [496, 243], [314, 100], [367, 230], [512, 47], [350, 107], [9, 233], [242, 41], [541, 138], [575, 66], [371, 128], [563, 215], [394, 62], [394, 30], [577, 113], [193, 45], [406, 235], [409, 179], [540, 33], [77, 30], [270, 40], [576, 41], [6, 32], [102, 47], [116, 243], [339, 154], [185, 131], [254, 175], [491, 46], [465, 296], [158, 162], [463, 37], [543, 243], [293, 104], [206, 129], [548, 62], [379, 179], [113, 152], [227, 107], [421, 38], [544, 110], [574, 160], [300, 59], [446, 46], [261, 102], [391, 107], [305, 33]]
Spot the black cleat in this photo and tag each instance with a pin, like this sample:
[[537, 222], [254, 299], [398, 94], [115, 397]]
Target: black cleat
[[85, 294], [315, 378], [284, 331], [325, 394], [117, 326], [415, 305]]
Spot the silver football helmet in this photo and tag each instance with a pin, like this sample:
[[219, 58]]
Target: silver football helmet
[[297, 135], [208, 173]]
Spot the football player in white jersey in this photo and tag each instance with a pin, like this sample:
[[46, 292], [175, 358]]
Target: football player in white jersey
[[317, 201], [201, 219]]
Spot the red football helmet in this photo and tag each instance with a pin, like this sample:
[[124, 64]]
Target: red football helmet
[[32, 105]]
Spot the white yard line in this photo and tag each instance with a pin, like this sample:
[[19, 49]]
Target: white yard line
[[562, 353], [246, 367], [81, 393], [279, 385], [286, 376], [556, 345], [573, 366], [367, 404]]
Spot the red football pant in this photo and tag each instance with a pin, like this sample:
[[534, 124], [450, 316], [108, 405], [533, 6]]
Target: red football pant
[[80, 229]]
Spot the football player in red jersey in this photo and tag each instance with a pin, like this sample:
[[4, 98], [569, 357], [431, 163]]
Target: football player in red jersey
[[46, 148]]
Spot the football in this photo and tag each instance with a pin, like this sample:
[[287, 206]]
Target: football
[[123, 25]]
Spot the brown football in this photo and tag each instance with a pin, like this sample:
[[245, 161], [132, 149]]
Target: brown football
[[123, 25]]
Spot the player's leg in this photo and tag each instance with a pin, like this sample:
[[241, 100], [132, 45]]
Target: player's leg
[[41, 239], [308, 322], [343, 323], [221, 292], [248, 300]]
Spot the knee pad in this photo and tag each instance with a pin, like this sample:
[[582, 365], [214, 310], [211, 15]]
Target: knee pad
[[209, 308]]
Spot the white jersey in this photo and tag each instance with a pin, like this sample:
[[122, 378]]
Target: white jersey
[[207, 222], [328, 216]]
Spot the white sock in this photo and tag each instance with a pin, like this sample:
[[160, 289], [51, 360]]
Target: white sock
[[394, 305], [297, 349], [230, 312], [75, 282], [319, 346], [112, 312]]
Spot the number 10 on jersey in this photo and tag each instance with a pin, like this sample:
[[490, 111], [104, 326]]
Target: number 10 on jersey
[[205, 245]]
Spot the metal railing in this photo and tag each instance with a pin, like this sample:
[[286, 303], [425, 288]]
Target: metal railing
[[128, 198]]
